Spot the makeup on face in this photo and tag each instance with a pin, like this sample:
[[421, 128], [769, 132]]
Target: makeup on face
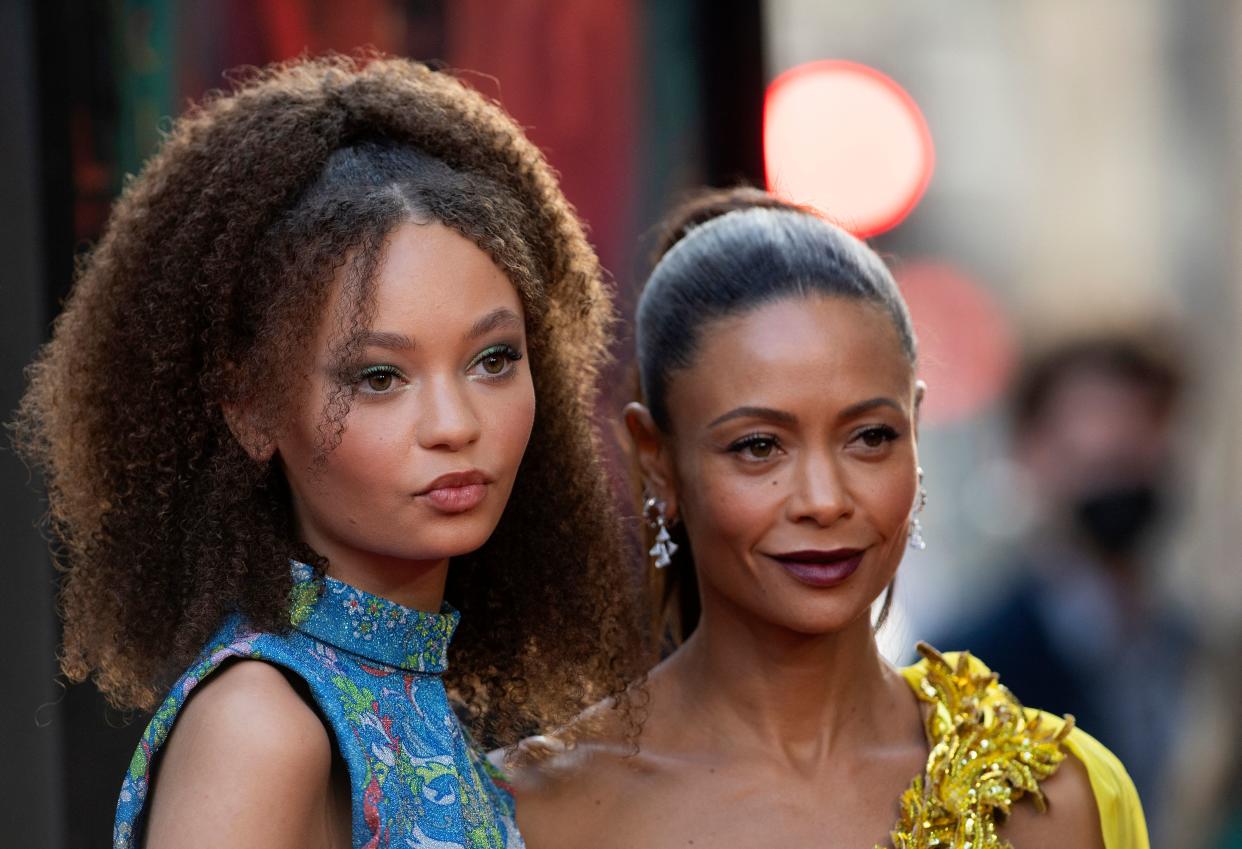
[[820, 568], [794, 456], [456, 492], [441, 406]]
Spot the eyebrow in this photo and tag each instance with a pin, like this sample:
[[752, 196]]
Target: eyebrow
[[768, 413], [382, 339], [782, 417], [869, 405], [494, 320]]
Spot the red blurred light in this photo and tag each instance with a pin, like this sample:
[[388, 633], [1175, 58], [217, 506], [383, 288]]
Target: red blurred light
[[966, 341], [846, 139]]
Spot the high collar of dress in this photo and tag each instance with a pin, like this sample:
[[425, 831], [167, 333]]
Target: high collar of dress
[[372, 628]]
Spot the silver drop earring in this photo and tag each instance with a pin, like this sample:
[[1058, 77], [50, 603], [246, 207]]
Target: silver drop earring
[[916, 527], [664, 549]]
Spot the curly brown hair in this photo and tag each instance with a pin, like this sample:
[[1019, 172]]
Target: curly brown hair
[[212, 268]]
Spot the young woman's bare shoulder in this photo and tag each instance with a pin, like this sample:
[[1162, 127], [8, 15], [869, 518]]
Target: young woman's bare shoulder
[[1072, 820], [248, 763]]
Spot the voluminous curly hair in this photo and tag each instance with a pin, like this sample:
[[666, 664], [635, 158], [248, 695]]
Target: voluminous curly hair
[[215, 267]]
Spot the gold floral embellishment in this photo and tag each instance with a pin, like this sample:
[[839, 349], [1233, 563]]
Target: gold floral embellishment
[[987, 751]]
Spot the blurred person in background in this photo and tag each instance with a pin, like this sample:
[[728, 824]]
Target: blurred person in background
[[1083, 630]]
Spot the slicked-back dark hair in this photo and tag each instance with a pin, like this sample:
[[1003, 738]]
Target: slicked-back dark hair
[[216, 263]]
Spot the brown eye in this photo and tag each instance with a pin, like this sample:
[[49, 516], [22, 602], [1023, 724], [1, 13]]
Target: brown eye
[[380, 382], [755, 447], [496, 361], [377, 380], [877, 437], [761, 448]]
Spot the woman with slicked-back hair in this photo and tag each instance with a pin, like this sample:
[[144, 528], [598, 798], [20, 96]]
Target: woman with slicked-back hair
[[777, 442], [319, 403]]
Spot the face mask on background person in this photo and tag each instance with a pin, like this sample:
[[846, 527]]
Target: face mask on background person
[[1114, 519]]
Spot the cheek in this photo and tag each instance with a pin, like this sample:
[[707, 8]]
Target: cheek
[[367, 451], [508, 419], [888, 499], [723, 506], [361, 468]]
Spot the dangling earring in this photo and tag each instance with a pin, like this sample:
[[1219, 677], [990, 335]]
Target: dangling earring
[[916, 527], [664, 549]]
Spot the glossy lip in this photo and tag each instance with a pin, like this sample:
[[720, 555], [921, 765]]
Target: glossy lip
[[819, 568], [456, 492]]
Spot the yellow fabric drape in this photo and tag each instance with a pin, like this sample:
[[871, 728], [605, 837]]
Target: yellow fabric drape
[[1121, 814]]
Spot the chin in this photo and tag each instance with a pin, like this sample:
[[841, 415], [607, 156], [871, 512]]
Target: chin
[[822, 618], [463, 536], [819, 627]]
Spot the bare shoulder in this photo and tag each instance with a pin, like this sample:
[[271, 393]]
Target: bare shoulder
[[563, 784], [1072, 820], [554, 769], [248, 763]]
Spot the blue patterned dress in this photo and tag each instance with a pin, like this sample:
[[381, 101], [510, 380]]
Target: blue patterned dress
[[373, 668]]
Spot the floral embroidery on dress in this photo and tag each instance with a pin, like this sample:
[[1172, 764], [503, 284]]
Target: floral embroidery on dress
[[344, 616], [987, 752], [373, 668]]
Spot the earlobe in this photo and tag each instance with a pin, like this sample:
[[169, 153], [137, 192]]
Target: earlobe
[[253, 440], [651, 452]]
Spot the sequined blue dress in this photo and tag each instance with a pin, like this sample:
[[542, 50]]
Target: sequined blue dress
[[373, 668]]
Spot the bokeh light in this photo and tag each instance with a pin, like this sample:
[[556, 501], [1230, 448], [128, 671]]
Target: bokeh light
[[846, 139], [966, 341]]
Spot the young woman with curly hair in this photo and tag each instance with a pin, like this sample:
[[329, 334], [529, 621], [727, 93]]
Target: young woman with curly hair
[[778, 442], [324, 386]]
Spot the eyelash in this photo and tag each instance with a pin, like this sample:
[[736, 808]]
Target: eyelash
[[375, 371], [750, 440], [509, 352], [885, 433]]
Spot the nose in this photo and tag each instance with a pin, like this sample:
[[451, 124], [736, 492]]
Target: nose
[[447, 419], [820, 493]]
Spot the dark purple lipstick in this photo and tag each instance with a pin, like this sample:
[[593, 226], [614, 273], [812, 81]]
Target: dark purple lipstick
[[820, 568]]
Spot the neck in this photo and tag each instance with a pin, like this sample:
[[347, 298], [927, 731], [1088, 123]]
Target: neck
[[808, 696], [416, 584]]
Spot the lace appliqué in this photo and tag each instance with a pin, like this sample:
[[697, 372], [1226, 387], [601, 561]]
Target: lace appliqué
[[987, 752]]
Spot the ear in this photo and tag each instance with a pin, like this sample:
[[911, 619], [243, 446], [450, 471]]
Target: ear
[[651, 449], [920, 390], [243, 424]]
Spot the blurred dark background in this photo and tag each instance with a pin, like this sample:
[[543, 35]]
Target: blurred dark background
[[1086, 191]]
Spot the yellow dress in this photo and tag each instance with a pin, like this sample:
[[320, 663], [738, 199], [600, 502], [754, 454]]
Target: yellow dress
[[987, 751]]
